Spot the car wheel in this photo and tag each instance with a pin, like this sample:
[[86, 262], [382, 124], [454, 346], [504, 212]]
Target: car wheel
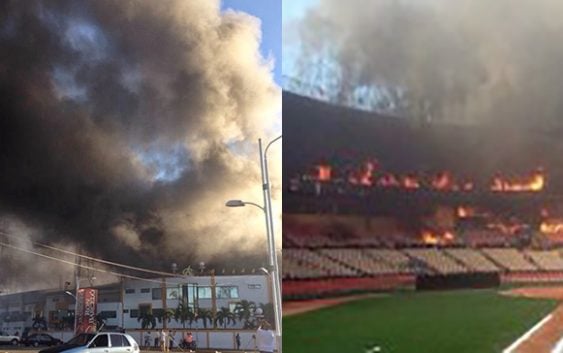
[[35, 344], [14, 342]]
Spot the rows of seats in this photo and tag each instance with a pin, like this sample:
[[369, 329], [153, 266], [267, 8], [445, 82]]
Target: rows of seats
[[302, 263], [546, 260], [394, 258], [510, 259], [360, 260], [437, 260], [316, 265], [473, 259]]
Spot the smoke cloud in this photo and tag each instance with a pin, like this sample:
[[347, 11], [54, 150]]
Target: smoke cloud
[[465, 61], [126, 126]]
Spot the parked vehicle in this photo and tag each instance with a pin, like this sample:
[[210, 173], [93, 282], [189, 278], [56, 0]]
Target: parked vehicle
[[41, 339], [6, 338], [108, 342]]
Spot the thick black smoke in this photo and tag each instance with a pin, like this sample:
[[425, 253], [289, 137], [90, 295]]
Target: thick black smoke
[[463, 61], [126, 125]]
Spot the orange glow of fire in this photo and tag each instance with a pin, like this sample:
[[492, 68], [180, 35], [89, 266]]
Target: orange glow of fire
[[388, 180], [508, 229], [324, 172], [535, 182], [468, 186], [410, 182], [551, 227], [366, 177], [431, 238], [465, 212], [443, 181]]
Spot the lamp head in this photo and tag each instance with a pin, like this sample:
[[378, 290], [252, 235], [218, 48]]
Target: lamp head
[[234, 203]]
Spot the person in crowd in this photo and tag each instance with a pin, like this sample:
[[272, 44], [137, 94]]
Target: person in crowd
[[265, 338], [164, 341], [237, 339]]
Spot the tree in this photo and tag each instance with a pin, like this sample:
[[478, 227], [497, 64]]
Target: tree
[[244, 311], [268, 312], [184, 313], [225, 317], [147, 318], [167, 315], [205, 315]]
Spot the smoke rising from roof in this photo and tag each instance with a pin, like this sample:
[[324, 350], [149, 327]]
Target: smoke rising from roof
[[464, 61], [127, 124]]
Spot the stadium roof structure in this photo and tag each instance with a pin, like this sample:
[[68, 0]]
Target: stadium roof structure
[[317, 132]]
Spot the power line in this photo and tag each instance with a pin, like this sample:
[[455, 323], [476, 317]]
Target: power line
[[80, 265], [161, 273]]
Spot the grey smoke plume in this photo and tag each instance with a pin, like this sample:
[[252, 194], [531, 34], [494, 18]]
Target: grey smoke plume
[[464, 61], [127, 124]]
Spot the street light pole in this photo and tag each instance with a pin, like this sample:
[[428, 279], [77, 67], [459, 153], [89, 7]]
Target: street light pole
[[271, 240], [272, 255]]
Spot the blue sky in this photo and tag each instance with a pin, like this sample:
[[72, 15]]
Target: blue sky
[[270, 13]]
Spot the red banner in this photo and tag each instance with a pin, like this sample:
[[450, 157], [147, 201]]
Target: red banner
[[87, 299]]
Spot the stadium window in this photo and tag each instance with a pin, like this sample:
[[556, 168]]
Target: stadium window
[[134, 313], [110, 314], [129, 291], [254, 286], [156, 294], [227, 292], [172, 293], [145, 290], [204, 292]]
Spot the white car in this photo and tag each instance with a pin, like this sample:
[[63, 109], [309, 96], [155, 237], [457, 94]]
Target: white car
[[101, 342], [5, 338]]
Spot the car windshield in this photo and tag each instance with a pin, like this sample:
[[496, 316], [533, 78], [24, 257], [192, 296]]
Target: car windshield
[[82, 339]]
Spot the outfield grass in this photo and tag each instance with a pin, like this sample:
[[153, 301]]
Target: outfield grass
[[428, 322]]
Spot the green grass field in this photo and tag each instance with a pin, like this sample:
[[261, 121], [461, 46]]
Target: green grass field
[[416, 322]]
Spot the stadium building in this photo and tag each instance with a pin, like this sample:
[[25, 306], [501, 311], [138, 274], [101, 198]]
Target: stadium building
[[125, 305], [375, 202]]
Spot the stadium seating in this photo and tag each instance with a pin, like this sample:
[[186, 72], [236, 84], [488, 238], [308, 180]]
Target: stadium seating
[[359, 260], [437, 260], [314, 265], [509, 259], [473, 260], [546, 260], [394, 258]]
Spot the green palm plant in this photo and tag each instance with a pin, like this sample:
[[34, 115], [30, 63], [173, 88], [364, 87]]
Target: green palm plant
[[244, 310], [147, 318], [184, 313], [205, 315], [268, 312], [225, 317], [167, 315]]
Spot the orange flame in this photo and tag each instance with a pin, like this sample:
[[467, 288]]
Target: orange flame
[[465, 212], [551, 227], [410, 182], [431, 238], [388, 180], [443, 181], [535, 182], [324, 172]]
